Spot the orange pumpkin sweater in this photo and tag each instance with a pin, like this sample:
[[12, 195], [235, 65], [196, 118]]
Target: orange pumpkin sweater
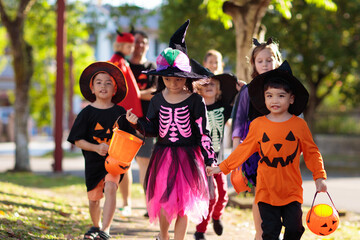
[[279, 144]]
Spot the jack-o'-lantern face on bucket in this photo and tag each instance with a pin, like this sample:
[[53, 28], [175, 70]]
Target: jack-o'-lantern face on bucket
[[115, 167], [282, 155], [322, 219]]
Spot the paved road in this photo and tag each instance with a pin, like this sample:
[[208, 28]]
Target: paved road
[[345, 191]]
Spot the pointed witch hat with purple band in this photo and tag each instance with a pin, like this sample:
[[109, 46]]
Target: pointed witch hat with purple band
[[173, 61]]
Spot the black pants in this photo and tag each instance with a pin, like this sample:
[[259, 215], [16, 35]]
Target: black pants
[[274, 217]]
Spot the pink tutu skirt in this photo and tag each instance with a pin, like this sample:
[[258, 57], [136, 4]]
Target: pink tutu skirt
[[176, 182]]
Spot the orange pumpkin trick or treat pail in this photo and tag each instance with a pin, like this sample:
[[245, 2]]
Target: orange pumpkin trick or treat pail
[[239, 181], [122, 150], [322, 219]]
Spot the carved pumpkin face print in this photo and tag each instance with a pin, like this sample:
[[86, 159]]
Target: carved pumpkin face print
[[283, 148], [102, 135]]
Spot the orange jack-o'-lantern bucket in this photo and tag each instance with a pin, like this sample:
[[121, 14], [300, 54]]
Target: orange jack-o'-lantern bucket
[[322, 219], [239, 181], [122, 150]]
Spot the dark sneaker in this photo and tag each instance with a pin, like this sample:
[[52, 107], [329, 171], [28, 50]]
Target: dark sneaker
[[199, 236], [218, 227]]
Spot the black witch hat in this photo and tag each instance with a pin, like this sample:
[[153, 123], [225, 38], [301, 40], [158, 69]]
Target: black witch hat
[[227, 81], [97, 67], [177, 40], [256, 89]]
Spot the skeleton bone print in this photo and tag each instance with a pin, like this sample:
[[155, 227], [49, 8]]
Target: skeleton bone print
[[177, 121], [216, 122]]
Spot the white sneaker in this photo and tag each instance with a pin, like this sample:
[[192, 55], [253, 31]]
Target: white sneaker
[[126, 211]]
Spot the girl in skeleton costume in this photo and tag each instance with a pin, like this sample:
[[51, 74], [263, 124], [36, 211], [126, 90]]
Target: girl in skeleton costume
[[175, 182], [218, 92]]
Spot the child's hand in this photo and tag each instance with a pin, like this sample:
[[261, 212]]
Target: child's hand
[[212, 170], [102, 149], [240, 84], [131, 117], [320, 185]]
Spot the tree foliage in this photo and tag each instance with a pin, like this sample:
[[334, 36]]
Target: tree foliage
[[41, 34], [282, 6], [31, 27], [13, 15], [135, 14], [323, 48]]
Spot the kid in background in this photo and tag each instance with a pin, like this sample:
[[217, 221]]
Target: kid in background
[[213, 61], [218, 92], [264, 57], [147, 86], [124, 46], [175, 182], [103, 84], [279, 136]]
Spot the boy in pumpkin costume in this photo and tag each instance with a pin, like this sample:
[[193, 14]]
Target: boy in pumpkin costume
[[279, 136], [102, 84]]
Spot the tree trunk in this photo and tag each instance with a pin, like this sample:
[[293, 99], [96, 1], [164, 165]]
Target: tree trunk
[[23, 69], [247, 16], [314, 102]]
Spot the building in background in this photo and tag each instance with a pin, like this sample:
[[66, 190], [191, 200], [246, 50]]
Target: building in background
[[7, 84], [106, 36]]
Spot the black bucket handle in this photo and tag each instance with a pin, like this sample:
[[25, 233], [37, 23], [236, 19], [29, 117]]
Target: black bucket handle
[[308, 220], [141, 125]]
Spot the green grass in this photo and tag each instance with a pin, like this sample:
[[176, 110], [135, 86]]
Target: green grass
[[67, 154], [27, 179], [44, 207], [29, 214]]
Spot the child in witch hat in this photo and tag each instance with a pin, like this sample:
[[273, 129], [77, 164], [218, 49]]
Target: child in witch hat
[[175, 182], [103, 84], [279, 136], [218, 92]]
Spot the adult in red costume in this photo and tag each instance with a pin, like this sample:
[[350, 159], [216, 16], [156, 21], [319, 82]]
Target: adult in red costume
[[123, 46]]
